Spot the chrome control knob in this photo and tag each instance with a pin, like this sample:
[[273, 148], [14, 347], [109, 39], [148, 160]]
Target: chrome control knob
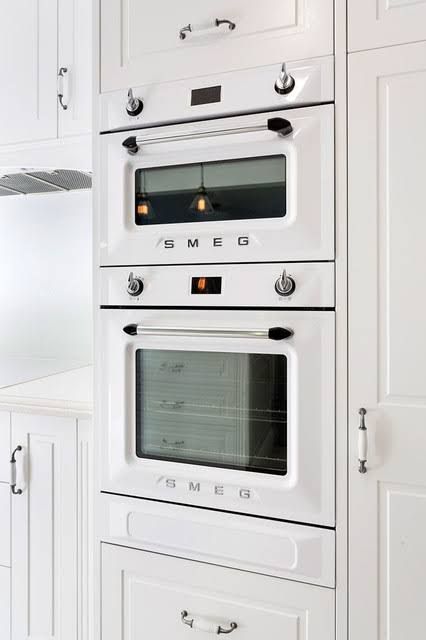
[[134, 105], [134, 286], [285, 285], [285, 82]]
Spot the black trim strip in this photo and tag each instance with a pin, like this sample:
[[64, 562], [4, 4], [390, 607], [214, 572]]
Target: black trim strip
[[236, 513], [221, 308]]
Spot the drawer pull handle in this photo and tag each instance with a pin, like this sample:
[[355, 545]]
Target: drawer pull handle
[[205, 625], [362, 442], [189, 28]]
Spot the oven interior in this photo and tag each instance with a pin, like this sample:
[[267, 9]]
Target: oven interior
[[219, 409]]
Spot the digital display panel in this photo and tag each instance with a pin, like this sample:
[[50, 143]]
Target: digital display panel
[[206, 286]]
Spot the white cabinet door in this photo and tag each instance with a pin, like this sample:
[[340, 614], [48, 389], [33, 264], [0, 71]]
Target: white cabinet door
[[4, 603], [4, 446], [141, 43], [75, 56], [144, 595], [387, 320], [380, 23], [28, 57], [44, 525]]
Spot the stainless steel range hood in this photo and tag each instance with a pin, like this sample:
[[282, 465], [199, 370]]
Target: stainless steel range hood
[[28, 181]]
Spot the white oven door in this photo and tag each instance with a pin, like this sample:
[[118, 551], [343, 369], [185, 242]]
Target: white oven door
[[211, 408], [227, 190]]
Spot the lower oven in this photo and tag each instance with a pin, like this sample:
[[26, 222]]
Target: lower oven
[[216, 405]]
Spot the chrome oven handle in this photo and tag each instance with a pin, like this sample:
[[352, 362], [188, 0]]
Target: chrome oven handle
[[279, 126], [274, 333]]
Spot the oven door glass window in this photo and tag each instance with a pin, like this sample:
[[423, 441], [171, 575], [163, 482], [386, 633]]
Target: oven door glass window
[[243, 189], [218, 409]]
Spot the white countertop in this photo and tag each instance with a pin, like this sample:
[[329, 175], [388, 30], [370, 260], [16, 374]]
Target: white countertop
[[69, 393], [15, 370]]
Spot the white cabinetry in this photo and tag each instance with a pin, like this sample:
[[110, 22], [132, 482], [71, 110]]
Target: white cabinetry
[[45, 576], [378, 23], [44, 525], [141, 41], [387, 346], [36, 39], [75, 55], [144, 595], [4, 527], [28, 42]]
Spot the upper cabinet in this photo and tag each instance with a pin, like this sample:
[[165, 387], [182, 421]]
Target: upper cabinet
[[379, 23], [75, 67], [144, 42], [28, 65], [45, 50]]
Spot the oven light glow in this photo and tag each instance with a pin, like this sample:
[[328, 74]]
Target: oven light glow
[[201, 286]]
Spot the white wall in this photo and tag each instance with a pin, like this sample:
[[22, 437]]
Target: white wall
[[45, 276]]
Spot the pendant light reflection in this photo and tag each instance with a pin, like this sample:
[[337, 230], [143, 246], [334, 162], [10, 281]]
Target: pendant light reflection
[[201, 203], [144, 208]]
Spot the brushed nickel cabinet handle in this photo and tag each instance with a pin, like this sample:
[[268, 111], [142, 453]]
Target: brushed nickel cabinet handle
[[62, 92], [201, 624], [14, 490], [362, 442]]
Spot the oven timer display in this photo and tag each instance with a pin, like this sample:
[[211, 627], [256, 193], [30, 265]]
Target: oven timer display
[[201, 285]]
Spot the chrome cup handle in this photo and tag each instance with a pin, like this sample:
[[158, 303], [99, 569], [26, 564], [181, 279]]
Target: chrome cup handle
[[200, 624]]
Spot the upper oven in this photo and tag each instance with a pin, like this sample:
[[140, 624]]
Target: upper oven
[[253, 188]]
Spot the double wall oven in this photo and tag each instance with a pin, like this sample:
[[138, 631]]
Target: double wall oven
[[217, 368]]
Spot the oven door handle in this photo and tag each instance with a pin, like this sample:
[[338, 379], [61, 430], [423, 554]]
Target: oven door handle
[[277, 125], [274, 333]]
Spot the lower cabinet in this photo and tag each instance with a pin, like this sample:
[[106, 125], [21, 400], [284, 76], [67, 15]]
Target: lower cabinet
[[148, 595], [47, 548], [44, 526]]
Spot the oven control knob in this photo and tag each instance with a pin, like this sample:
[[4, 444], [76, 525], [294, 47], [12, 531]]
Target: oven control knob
[[285, 285], [134, 105], [134, 286]]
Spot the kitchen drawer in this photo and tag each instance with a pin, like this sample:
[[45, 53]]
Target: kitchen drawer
[[4, 446], [5, 525], [4, 603], [284, 550], [141, 43], [145, 595]]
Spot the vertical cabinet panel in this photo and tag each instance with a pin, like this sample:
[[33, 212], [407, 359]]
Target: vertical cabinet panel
[[85, 528], [378, 23], [141, 43], [4, 603], [28, 48], [75, 55], [387, 350], [4, 525], [4, 446], [44, 525]]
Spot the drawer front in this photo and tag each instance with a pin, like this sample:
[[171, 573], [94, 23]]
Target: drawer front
[[146, 595], [5, 525], [296, 552], [145, 43], [4, 446]]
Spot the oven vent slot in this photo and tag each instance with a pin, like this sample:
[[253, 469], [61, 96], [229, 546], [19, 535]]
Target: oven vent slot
[[31, 182]]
